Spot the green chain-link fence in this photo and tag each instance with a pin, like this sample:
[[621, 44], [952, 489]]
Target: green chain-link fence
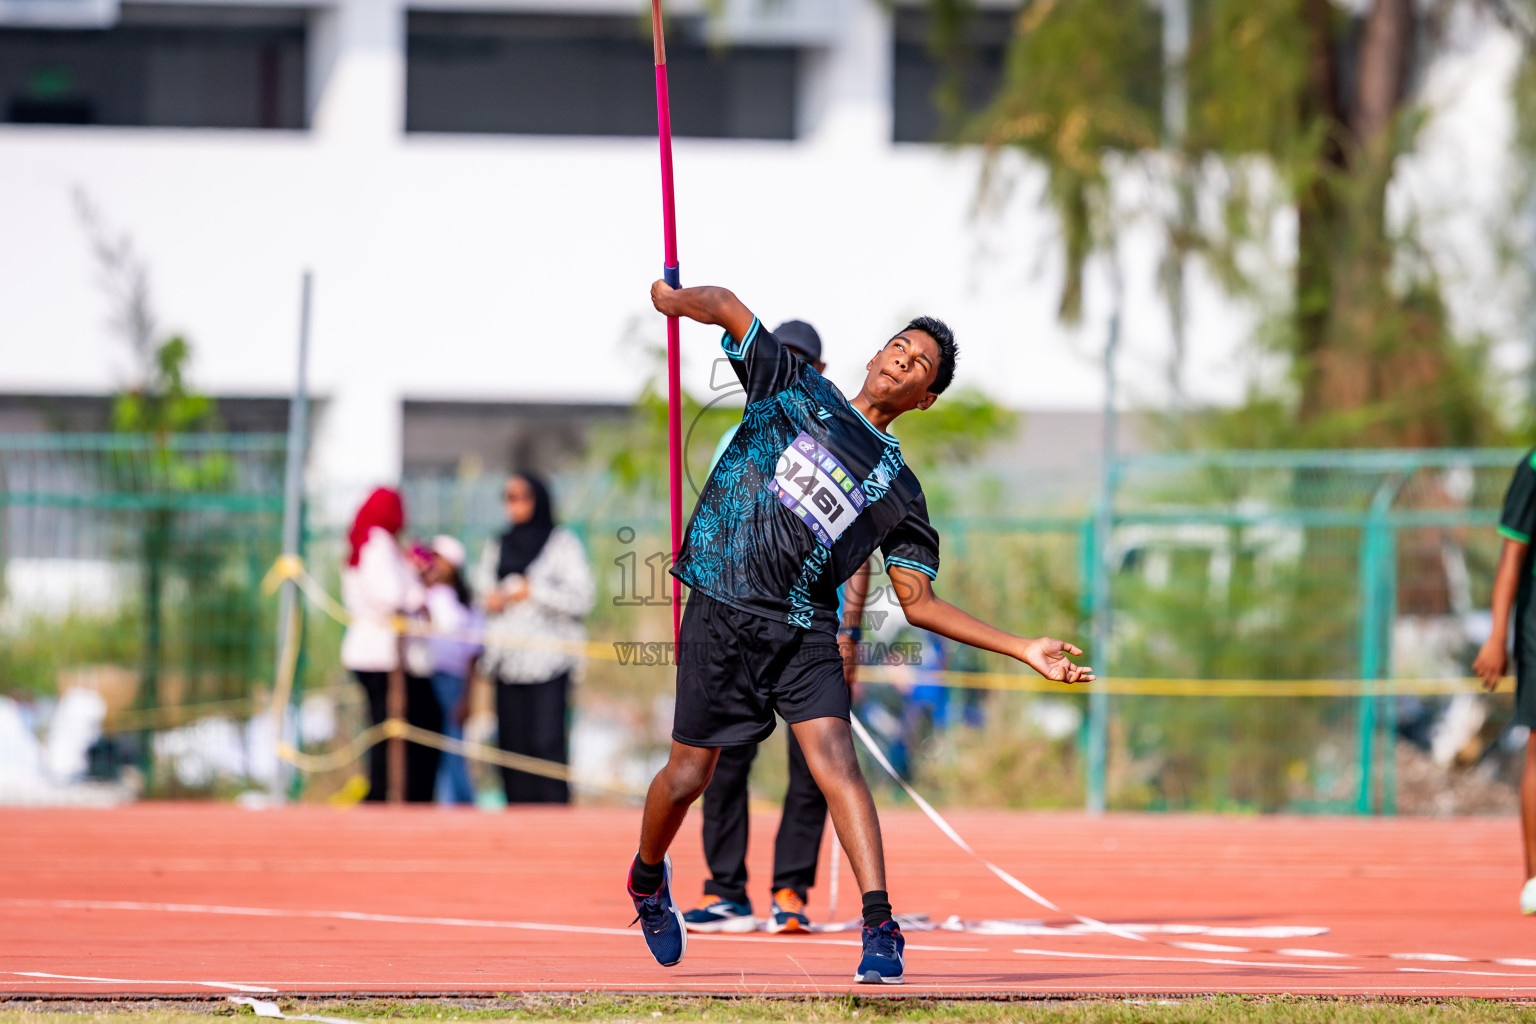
[[134, 567], [131, 570], [1292, 566]]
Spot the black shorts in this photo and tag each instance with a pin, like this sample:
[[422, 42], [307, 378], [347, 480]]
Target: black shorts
[[735, 670], [1525, 692]]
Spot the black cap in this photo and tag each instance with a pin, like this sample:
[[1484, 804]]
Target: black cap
[[801, 338]]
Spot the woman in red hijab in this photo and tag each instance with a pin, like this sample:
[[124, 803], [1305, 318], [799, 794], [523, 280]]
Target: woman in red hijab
[[378, 585]]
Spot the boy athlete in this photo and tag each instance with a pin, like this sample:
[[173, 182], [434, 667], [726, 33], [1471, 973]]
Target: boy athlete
[[807, 489], [726, 905], [1512, 593]]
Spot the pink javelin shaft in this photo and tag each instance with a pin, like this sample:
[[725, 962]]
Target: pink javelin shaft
[[671, 273]]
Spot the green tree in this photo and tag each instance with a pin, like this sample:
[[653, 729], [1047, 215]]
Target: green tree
[[1296, 109], [156, 398], [177, 538]]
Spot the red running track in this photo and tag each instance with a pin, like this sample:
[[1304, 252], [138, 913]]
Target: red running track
[[207, 899]]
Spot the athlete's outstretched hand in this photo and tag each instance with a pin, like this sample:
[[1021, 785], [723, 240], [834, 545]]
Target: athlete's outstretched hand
[[1049, 657]]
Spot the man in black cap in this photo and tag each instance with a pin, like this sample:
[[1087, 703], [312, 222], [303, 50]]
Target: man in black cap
[[725, 905]]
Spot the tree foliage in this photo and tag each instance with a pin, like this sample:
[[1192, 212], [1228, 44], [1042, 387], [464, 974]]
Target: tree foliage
[[156, 399], [1297, 110]]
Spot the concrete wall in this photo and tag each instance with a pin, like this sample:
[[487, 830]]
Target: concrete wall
[[516, 268]]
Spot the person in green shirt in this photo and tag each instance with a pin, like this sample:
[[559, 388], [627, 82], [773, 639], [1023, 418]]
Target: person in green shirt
[[1512, 606]]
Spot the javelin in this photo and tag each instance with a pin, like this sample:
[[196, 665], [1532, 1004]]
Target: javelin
[[672, 277]]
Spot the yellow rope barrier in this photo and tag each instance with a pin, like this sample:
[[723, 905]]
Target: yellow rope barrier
[[288, 567], [293, 568], [392, 728], [1129, 687]]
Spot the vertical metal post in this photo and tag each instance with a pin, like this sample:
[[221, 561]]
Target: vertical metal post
[[293, 476], [1175, 128], [1175, 56], [1377, 604], [1087, 552], [394, 751], [1386, 700], [1370, 660], [1104, 522], [293, 489]]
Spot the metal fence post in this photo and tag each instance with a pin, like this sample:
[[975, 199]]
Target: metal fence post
[[293, 501], [1377, 581], [1104, 524], [1370, 661], [1386, 718]]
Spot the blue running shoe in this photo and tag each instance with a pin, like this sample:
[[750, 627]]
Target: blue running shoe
[[883, 961], [717, 914], [660, 919]]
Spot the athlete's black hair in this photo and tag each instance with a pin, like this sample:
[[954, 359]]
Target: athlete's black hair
[[939, 331]]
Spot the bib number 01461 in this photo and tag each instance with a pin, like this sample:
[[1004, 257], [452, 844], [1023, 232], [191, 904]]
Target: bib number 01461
[[815, 486]]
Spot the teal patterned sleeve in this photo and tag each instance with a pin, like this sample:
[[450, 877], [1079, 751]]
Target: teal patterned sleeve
[[764, 365]]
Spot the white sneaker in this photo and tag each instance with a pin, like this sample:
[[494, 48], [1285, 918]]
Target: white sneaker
[[1528, 897]]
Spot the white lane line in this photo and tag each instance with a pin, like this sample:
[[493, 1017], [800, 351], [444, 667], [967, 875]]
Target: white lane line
[[1311, 952], [1003, 926], [1445, 957], [1516, 961], [1184, 960], [1264, 932], [329, 915], [447, 922], [1479, 974], [227, 985], [914, 986], [1210, 947]]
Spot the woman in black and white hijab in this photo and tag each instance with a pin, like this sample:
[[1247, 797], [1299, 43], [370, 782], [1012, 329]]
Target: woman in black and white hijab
[[538, 588]]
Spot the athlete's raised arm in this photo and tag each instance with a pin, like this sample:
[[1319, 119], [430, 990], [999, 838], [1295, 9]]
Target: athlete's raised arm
[[706, 304], [925, 610]]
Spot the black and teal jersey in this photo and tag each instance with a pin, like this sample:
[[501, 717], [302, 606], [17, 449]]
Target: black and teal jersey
[[1518, 522], [803, 494]]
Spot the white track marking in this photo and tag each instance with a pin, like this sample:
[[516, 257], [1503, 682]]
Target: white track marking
[[266, 1009], [992, 926], [988, 927], [1446, 957], [1001, 927], [1185, 960], [329, 915], [955, 837], [1168, 985], [235, 985], [448, 922], [1263, 932], [1479, 974]]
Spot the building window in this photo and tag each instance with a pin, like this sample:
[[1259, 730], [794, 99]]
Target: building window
[[173, 67], [537, 75], [917, 74]]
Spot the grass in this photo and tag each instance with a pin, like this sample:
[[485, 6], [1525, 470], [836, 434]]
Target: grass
[[844, 1010]]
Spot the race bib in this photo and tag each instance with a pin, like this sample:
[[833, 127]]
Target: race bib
[[815, 486]]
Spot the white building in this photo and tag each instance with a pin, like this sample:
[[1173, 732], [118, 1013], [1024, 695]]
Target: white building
[[474, 184]]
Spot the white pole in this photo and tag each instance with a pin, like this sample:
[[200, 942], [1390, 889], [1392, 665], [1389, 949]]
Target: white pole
[[293, 501]]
